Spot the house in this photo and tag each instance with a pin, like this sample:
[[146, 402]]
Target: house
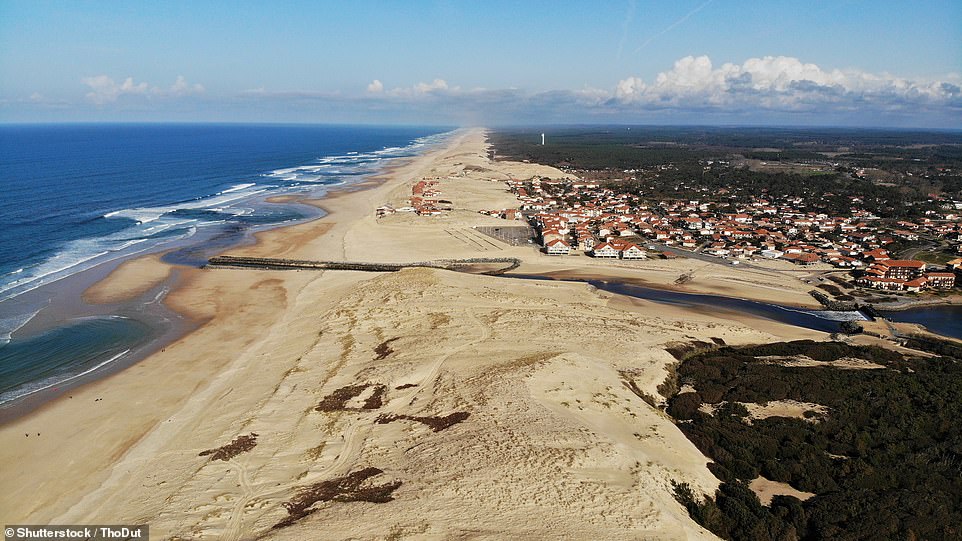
[[902, 269], [719, 250], [802, 258], [940, 280], [877, 255], [916, 285], [550, 235], [876, 282], [632, 251], [773, 254], [557, 247], [604, 250]]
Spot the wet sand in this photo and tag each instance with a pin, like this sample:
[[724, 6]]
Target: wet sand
[[549, 439]]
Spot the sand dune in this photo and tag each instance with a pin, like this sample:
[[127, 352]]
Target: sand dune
[[422, 404]]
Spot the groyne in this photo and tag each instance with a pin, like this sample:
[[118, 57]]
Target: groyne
[[265, 263]]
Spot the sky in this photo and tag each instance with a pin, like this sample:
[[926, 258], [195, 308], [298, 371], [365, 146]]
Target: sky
[[727, 62]]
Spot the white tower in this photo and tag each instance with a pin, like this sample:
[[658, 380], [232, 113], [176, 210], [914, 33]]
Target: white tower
[[542, 139]]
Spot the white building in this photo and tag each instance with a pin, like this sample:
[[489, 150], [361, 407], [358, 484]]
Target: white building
[[557, 247], [604, 250], [773, 254], [633, 252]]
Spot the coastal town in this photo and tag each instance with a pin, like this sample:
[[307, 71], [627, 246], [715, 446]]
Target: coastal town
[[574, 215], [598, 220], [350, 371], [438, 270]]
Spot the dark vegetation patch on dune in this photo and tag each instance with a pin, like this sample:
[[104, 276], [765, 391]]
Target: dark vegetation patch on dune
[[383, 349], [240, 444], [352, 487], [375, 401], [436, 423], [337, 401]]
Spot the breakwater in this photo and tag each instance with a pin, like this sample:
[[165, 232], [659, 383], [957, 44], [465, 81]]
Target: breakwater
[[265, 263]]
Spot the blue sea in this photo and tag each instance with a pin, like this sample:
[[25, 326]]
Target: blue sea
[[78, 196]]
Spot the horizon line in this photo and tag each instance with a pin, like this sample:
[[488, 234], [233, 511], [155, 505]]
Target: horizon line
[[495, 126]]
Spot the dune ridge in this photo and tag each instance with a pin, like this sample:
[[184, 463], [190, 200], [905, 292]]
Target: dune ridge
[[465, 406]]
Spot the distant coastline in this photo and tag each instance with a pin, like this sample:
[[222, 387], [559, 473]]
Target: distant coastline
[[295, 382], [52, 314]]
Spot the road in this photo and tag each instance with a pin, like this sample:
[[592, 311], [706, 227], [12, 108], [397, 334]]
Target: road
[[702, 256]]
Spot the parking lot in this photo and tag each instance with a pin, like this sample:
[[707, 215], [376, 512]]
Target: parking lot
[[515, 235]]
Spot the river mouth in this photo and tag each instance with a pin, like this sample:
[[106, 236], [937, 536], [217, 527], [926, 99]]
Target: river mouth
[[819, 320], [945, 320]]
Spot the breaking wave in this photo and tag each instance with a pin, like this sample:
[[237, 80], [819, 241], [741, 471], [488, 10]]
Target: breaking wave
[[153, 227]]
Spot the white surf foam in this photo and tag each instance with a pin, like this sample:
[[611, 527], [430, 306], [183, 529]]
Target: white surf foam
[[59, 263], [140, 215], [835, 315], [10, 325], [80, 254], [50, 382], [238, 187], [831, 315]]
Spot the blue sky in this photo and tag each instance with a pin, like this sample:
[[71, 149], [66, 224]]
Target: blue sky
[[860, 62]]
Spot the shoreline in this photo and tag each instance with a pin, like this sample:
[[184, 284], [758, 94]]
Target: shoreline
[[910, 304], [128, 284], [535, 370], [124, 283], [216, 300]]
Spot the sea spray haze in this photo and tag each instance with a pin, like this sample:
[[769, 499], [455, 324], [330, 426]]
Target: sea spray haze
[[75, 196]]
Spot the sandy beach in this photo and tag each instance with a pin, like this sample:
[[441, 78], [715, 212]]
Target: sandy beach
[[422, 404]]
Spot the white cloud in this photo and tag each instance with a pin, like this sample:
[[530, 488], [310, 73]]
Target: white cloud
[[757, 88], [437, 84], [437, 87], [776, 82], [182, 88], [103, 89], [767, 90], [630, 87]]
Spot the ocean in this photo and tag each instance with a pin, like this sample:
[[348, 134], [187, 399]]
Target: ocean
[[75, 197]]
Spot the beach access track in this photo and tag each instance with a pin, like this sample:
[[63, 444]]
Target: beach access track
[[463, 265]]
